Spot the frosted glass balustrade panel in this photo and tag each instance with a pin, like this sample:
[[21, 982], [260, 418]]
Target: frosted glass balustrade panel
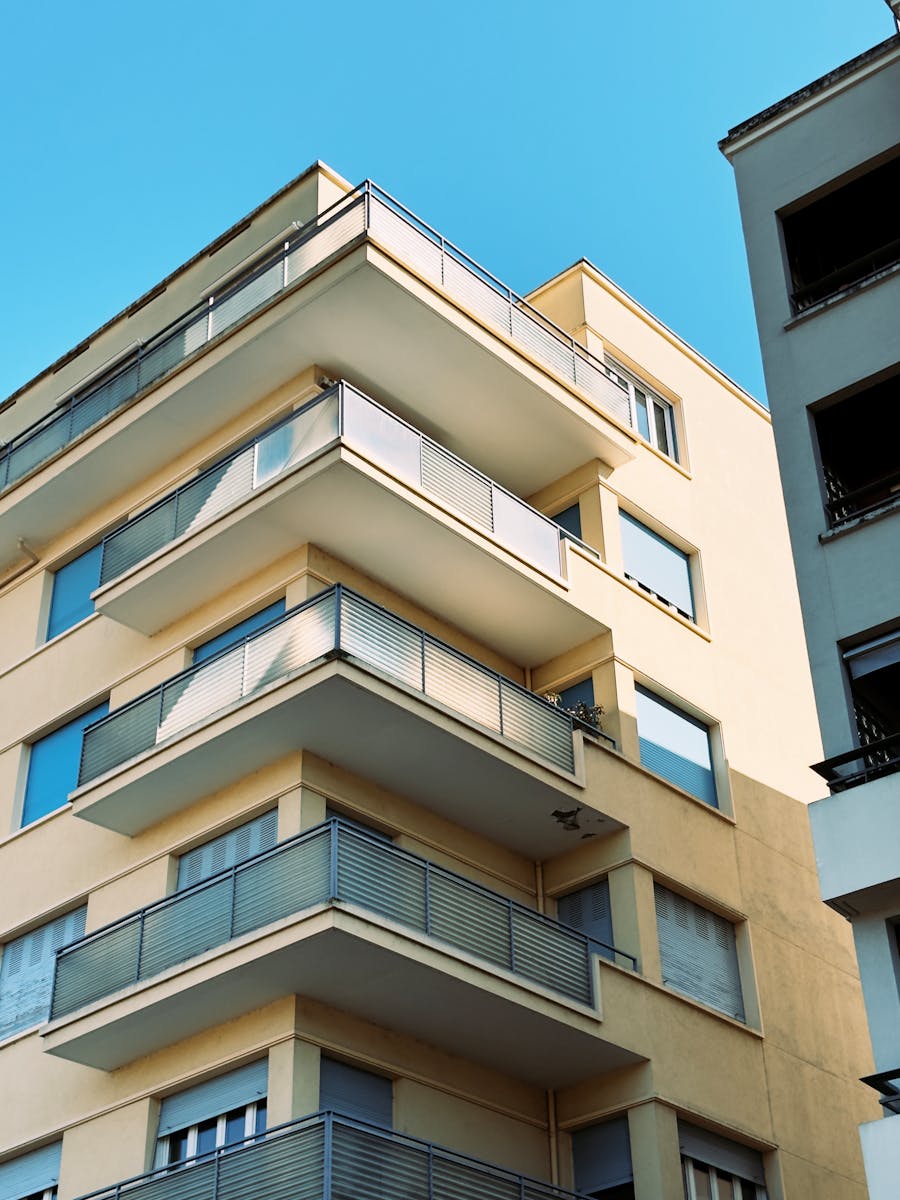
[[384, 438], [305, 434], [526, 531]]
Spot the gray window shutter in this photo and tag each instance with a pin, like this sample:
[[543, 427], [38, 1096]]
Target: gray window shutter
[[225, 851], [705, 1147], [588, 910], [874, 656], [355, 1093], [698, 952], [30, 1173], [214, 1097], [602, 1156], [656, 564], [675, 746], [26, 971]]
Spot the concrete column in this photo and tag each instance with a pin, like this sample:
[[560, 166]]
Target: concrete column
[[645, 919], [626, 919], [293, 1081], [612, 536], [655, 1157]]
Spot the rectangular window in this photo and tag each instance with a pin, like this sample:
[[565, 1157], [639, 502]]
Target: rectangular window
[[32, 1176], [233, 635], [860, 471], [220, 1112], [716, 1168], [53, 763], [235, 846], [845, 236], [26, 971], [588, 910], [353, 1092], [698, 952], [675, 746], [656, 565], [653, 417], [601, 1157], [570, 520], [70, 601]]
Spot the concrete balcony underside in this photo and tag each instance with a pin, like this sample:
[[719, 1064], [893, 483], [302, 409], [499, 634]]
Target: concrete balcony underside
[[349, 714], [346, 317], [363, 516], [342, 957]]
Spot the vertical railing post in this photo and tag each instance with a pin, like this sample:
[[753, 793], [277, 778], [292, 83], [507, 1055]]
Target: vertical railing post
[[500, 702], [232, 903], [512, 937], [422, 644], [215, 1186], [140, 948], [443, 257], [430, 1193], [333, 862], [367, 214], [327, 1154], [510, 300], [209, 313], [428, 898], [338, 605]]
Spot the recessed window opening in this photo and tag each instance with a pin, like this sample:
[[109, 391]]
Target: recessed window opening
[[716, 1168], [845, 236], [657, 566], [70, 599], [27, 965], [874, 670], [858, 454], [651, 416], [32, 1176], [221, 1112], [676, 746], [601, 1157]]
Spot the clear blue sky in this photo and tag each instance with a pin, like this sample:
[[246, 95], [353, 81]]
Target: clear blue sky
[[529, 133]]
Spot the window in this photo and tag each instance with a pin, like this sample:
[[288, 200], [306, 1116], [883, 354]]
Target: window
[[698, 952], [651, 416], [220, 1112], [53, 763], [570, 520], [601, 1157], [656, 565], [718, 1169], [859, 466], [26, 971], [31, 1176], [874, 670], [355, 1093], [233, 635], [70, 601], [675, 746], [227, 850], [588, 910], [843, 237]]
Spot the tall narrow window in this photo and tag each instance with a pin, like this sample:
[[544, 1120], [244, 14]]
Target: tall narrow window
[[601, 1157], [698, 952], [353, 1092], [220, 1112], [227, 850], [657, 566], [675, 746], [53, 766], [32, 1176], [26, 971], [70, 601], [588, 910]]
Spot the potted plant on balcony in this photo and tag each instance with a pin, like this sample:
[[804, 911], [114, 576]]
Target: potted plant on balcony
[[585, 716]]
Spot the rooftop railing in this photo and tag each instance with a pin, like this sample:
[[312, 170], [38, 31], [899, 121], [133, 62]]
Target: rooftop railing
[[333, 862], [872, 761], [366, 211], [335, 623], [341, 413], [328, 1156]]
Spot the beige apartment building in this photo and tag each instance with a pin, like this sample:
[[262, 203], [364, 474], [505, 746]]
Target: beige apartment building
[[403, 692]]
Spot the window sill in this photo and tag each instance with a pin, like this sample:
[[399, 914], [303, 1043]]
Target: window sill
[[94, 616], [844, 294], [44, 820]]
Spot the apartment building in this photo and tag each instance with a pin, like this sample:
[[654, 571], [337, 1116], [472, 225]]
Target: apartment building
[[818, 176], [403, 783]]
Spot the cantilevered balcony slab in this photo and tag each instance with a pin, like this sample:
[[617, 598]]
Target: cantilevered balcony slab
[[362, 688], [434, 528], [368, 293], [411, 948]]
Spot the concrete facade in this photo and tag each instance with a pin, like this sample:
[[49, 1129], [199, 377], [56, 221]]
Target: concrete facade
[[428, 610]]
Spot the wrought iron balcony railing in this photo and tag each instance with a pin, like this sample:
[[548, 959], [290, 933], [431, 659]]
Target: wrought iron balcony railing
[[872, 761], [328, 1156], [337, 623], [367, 211], [345, 414], [333, 862]]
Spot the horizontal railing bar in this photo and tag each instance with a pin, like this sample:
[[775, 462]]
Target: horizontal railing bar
[[839, 760], [835, 280]]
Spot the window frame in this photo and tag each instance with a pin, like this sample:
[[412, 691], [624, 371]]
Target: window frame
[[252, 1112], [721, 801], [691, 565], [654, 406], [53, 575], [93, 712], [690, 1190]]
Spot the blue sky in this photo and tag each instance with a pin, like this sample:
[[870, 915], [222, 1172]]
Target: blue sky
[[530, 134]]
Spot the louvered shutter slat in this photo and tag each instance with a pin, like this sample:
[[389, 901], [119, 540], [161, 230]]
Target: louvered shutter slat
[[698, 952]]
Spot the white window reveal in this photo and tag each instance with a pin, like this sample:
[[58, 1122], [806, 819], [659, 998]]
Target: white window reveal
[[220, 1112], [698, 952], [676, 746], [657, 566], [26, 971], [32, 1176], [651, 416], [227, 850], [718, 1169]]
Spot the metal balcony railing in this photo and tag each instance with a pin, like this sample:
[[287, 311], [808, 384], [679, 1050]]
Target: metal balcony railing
[[336, 623], [335, 861], [871, 761], [346, 414], [332, 1157], [367, 211]]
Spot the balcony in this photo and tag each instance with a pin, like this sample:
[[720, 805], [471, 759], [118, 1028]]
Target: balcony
[[307, 480], [874, 760], [341, 916], [361, 687], [338, 293], [331, 1157]]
